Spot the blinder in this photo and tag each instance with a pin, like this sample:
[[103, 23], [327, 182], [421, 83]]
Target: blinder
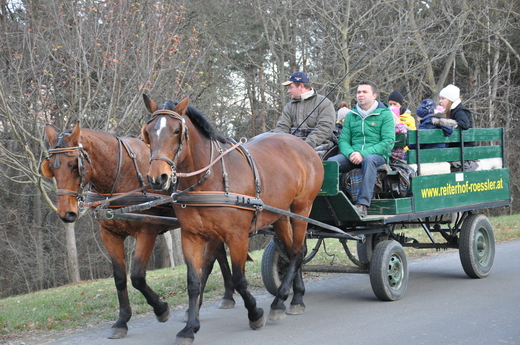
[[62, 147]]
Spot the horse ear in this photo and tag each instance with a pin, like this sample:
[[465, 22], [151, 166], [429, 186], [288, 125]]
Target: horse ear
[[74, 137], [51, 134], [46, 171], [181, 107], [150, 105], [145, 135]]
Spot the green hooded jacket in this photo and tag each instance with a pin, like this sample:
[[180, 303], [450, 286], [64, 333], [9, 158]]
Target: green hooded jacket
[[373, 135]]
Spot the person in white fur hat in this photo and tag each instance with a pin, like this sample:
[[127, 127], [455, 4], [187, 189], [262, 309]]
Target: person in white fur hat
[[449, 99]]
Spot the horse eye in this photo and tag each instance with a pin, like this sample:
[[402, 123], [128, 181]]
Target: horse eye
[[176, 131], [74, 167]]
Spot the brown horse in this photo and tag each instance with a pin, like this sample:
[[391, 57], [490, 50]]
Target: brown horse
[[113, 165], [215, 201]]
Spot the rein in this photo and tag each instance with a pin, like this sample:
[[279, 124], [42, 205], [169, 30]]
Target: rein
[[188, 197], [81, 168], [120, 196], [173, 163], [107, 200], [219, 157]]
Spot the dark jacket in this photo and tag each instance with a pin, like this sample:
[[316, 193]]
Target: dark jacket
[[463, 116], [464, 119]]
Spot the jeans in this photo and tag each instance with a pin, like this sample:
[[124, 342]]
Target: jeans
[[369, 171]]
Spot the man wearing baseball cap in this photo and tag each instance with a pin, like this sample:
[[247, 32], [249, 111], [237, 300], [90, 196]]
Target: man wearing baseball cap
[[315, 129]]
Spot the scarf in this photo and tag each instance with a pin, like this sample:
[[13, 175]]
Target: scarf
[[365, 113]]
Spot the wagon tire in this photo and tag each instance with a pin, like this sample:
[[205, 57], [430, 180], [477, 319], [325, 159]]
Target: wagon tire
[[477, 246], [389, 271], [274, 267]]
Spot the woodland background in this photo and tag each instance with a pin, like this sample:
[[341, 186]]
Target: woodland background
[[64, 61]]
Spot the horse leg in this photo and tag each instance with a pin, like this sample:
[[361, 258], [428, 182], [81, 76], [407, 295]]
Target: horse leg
[[227, 301], [193, 248], [144, 247], [215, 250], [297, 306], [238, 252], [293, 244], [114, 245]]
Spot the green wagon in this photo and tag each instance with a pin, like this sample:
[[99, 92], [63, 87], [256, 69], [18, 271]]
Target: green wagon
[[438, 201]]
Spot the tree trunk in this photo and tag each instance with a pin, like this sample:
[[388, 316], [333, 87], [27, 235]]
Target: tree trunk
[[177, 246], [72, 252], [39, 239], [169, 246]]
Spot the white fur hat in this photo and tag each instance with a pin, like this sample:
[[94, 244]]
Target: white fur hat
[[450, 92]]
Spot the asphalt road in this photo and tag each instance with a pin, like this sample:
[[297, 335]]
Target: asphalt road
[[441, 306]]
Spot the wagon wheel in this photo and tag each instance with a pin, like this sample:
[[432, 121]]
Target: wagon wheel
[[389, 271], [366, 249], [274, 267], [477, 246]]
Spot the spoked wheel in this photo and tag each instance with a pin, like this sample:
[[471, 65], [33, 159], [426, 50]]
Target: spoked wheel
[[477, 246], [274, 267], [389, 271]]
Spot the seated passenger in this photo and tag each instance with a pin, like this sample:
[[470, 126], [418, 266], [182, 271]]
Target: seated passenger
[[342, 111], [398, 152], [367, 135], [309, 115], [449, 99], [396, 99], [430, 118]]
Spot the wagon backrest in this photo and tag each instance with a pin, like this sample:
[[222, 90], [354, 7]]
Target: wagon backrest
[[489, 143], [489, 146]]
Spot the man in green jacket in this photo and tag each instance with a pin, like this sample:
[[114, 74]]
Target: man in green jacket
[[366, 141], [315, 129]]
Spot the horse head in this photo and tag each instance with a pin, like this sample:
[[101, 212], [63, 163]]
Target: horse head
[[67, 163], [166, 133]]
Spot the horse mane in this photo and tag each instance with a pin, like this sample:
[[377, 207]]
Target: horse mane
[[198, 120]]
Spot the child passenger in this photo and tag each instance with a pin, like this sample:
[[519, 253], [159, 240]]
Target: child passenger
[[398, 152], [396, 99], [430, 118]]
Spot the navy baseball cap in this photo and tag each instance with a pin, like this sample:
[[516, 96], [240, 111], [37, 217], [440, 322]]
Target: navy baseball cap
[[302, 77]]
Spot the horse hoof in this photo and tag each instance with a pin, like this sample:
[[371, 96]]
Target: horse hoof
[[164, 316], [183, 341], [226, 304], [276, 314], [118, 333], [256, 325], [296, 309]]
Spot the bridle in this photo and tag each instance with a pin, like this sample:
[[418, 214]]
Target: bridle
[[81, 156], [184, 136]]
